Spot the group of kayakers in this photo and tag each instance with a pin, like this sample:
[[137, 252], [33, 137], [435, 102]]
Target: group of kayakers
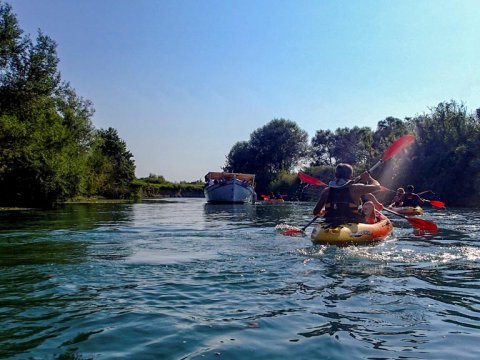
[[349, 200], [407, 198]]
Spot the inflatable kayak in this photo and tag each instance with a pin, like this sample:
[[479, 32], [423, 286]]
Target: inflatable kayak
[[274, 201], [351, 234], [408, 210]]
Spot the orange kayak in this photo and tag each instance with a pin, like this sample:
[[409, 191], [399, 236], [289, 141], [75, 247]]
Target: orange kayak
[[351, 234]]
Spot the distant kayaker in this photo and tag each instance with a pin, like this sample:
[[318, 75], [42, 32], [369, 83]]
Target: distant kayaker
[[398, 198], [341, 201], [412, 199]]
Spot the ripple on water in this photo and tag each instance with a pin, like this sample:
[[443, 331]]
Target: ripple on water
[[182, 280]]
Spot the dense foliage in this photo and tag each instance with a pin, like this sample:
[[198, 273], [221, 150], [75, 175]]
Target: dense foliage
[[155, 186], [443, 159], [49, 150], [446, 158], [278, 146]]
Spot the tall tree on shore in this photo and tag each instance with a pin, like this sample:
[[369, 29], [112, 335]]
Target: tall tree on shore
[[446, 156], [279, 145], [117, 167], [46, 133], [323, 147], [353, 146]]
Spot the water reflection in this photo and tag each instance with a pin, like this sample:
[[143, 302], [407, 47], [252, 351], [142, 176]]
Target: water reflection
[[120, 280], [59, 236], [66, 217], [257, 215]]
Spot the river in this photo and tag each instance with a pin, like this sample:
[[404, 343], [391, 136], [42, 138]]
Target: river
[[182, 279]]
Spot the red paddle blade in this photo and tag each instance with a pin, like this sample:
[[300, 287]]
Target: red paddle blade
[[398, 146], [310, 179], [293, 232], [439, 204], [422, 224]]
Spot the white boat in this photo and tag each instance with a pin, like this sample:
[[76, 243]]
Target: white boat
[[223, 187]]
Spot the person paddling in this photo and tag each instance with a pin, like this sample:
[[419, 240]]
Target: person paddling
[[398, 198], [341, 201], [412, 199]]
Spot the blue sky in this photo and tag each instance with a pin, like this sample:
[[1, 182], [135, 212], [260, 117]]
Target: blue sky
[[183, 80]]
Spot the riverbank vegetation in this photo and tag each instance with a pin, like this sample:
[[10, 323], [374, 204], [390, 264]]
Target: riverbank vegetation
[[50, 151], [443, 161], [155, 186]]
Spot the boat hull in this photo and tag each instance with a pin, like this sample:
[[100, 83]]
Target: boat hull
[[351, 234], [232, 191]]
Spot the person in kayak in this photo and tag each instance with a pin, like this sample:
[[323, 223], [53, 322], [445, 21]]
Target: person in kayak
[[341, 201], [412, 199], [398, 198]]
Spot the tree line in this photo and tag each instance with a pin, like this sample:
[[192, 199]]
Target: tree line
[[444, 160], [49, 149]]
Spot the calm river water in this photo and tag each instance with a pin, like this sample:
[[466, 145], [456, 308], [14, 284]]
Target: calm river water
[[181, 279]]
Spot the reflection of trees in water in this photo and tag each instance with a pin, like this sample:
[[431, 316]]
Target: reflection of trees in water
[[229, 212], [264, 214], [58, 236], [66, 217], [33, 251], [46, 279]]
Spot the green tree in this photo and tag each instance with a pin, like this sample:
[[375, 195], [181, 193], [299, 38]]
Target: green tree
[[353, 146], [323, 145], [46, 133], [39, 162], [279, 145], [114, 163], [446, 158], [241, 158]]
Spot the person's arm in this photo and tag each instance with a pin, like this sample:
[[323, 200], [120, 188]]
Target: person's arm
[[317, 210], [377, 204], [395, 200], [420, 200], [366, 185]]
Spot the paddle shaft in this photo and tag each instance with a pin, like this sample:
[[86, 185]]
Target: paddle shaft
[[421, 224], [310, 223], [395, 213]]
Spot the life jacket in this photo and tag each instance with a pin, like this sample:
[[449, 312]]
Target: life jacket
[[410, 200], [340, 208]]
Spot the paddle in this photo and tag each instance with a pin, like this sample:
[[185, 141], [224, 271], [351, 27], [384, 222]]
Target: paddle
[[310, 179], [436, 203], [296, 231], [316, 182], [421, 224], [392, 150], [384, 189]]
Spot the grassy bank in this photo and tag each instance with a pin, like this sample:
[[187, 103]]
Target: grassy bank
[[152, 188]]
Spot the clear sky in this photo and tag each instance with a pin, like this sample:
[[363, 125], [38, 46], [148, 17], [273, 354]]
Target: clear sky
[[183, 80]]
